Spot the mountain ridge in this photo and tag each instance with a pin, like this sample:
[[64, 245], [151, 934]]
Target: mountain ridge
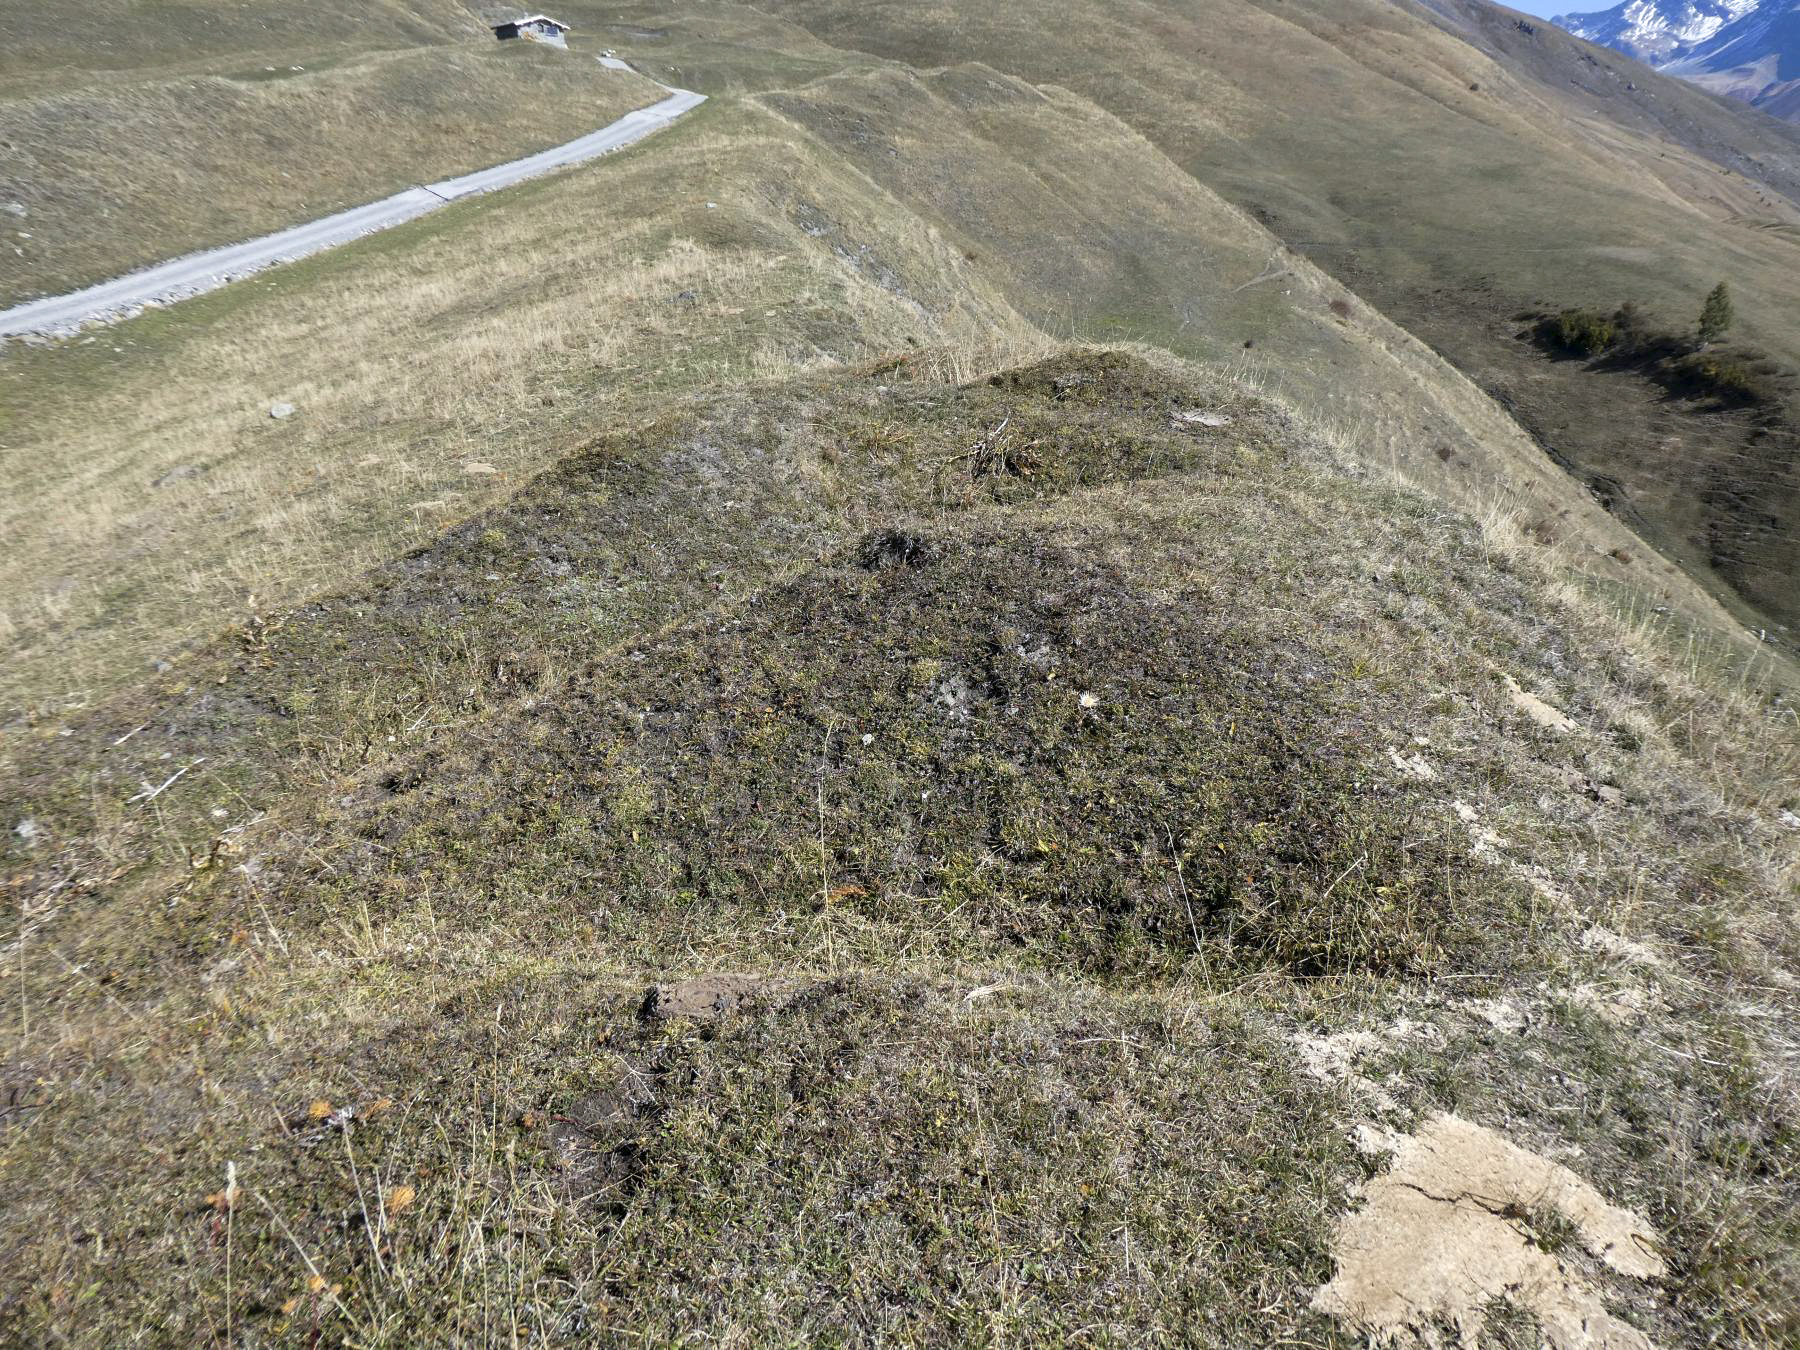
[[1657, 31], [1747, 50]]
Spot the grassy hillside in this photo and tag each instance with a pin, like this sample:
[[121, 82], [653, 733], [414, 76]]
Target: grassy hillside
[[150, 130], [432, 367], [113, 38], [849, 216], [1098, 799], [115, 176], [1094, 231], [1456, 190], [907, 713]]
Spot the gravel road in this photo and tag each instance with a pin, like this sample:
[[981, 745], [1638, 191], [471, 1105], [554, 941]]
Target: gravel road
[[197, 273]]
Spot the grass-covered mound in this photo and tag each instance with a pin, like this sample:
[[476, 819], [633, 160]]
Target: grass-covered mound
[[972, 729], [955, 1163], [866, 648], [875, 858]]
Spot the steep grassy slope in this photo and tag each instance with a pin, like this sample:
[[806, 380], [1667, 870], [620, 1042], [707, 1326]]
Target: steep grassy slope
[[1018, 794], [1456, 190], [1091, 229]]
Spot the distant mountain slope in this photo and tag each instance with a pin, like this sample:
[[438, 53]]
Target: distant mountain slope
[[128, 36], [1601, 88], [1462, 169], [1658, 31], [1744, 49], [1756, 59]]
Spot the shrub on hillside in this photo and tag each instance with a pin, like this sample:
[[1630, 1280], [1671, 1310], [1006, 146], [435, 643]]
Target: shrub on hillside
[[1724, 377], [1717, 316], [1584, 332]]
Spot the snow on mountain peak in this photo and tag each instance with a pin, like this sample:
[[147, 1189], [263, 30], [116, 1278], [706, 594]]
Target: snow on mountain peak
[[1743, 49], [1657, 31]]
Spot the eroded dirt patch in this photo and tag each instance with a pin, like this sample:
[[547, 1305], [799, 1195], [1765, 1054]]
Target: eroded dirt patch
[[709, 996], [1546, 715], [1464, 1219]]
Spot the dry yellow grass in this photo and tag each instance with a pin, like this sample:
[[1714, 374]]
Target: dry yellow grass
[[152, 497]]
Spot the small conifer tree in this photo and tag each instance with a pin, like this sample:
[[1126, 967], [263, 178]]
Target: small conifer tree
[[1716, 315]]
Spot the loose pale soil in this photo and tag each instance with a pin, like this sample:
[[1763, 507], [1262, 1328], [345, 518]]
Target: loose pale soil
[[1442, 1236]]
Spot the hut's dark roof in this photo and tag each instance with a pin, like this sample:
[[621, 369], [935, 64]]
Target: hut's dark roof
[[534, 18]]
